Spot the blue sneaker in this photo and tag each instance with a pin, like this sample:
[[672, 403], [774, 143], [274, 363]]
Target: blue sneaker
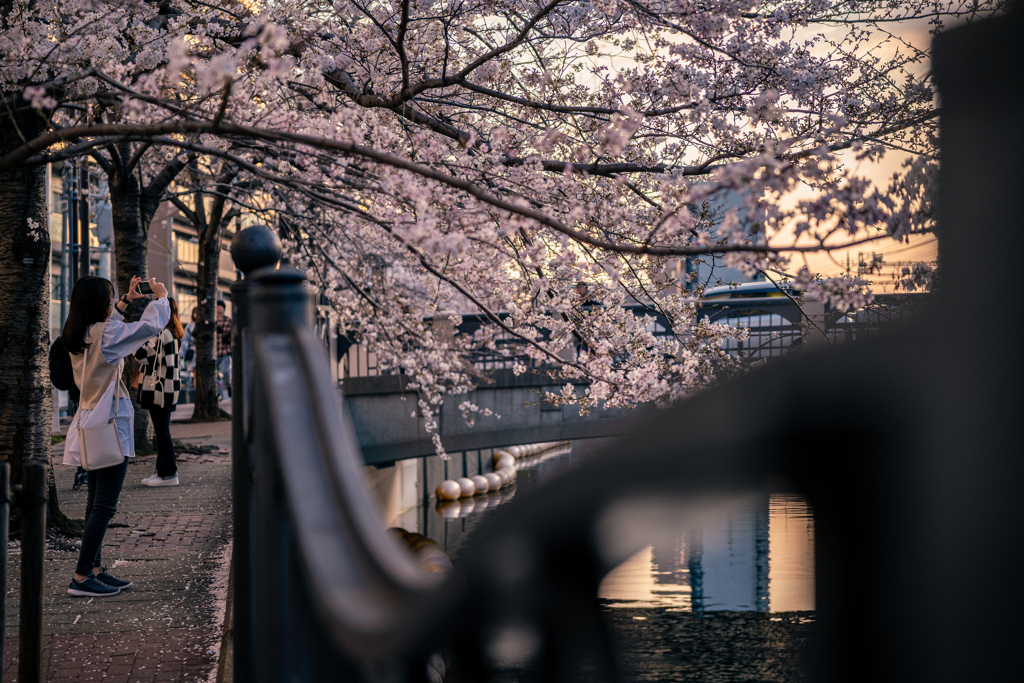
[[91, 588], [114, 582]]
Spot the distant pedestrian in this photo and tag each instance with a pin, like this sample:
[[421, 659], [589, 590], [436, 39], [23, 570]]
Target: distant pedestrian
[[161, 384], [223, 347], [99, 340], [188, 348]]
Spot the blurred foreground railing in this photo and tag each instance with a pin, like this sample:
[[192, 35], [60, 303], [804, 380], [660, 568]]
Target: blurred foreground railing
[[905, 445], [31, 498]]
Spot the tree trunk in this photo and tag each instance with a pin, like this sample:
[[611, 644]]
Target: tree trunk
[[26, 399], [207, 400], [130, 258]]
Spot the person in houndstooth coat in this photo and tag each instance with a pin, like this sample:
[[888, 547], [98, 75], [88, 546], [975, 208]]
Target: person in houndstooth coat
[[160, 383]]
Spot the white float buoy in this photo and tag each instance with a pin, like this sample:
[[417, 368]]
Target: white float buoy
[[449, 490], [505, 460], [482, 485], [493, 481], [468, 487]]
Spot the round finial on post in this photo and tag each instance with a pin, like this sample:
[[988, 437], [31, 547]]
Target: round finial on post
[[255, 247]]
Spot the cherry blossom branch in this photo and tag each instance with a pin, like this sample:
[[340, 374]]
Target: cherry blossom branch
[[559, 109], [408, 93], [151, 131], [400, 44]]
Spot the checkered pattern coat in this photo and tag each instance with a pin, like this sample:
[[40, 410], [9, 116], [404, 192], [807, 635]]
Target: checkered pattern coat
[[160, 363]]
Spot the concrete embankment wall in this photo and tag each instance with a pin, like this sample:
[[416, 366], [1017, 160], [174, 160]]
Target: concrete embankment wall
[[405, 488]]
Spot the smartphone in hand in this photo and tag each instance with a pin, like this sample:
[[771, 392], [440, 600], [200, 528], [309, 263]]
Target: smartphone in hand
[[144, 288]]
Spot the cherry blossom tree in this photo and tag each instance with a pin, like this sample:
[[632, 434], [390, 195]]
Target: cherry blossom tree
[[541, 164], [26, 401], [205, 203]]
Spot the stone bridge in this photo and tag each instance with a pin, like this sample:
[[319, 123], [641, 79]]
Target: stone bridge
[[382, 412], [382, 408]]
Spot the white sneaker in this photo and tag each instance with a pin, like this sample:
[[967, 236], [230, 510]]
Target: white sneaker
[[157, 480]]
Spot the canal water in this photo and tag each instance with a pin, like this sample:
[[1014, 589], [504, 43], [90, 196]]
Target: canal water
[[728, 597], [759, 557], [756, 557]]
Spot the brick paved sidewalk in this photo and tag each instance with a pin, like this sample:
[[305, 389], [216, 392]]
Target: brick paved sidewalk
[[174, 545]]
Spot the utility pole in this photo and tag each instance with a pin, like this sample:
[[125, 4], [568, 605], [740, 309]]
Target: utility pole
[[71, 193], [65, 244], [83, 218]]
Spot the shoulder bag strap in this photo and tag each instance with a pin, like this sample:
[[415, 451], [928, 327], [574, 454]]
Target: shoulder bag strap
[[85, 369], [113, 397], [158, 362]]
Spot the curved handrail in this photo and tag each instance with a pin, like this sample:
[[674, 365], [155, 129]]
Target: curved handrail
[[358, 576]]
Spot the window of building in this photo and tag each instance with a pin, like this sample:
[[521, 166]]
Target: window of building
[[187, 248], [186, 298]]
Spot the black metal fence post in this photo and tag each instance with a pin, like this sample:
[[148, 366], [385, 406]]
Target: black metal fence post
[[254, 247], [279, 300], [5, 519], [33, 501]]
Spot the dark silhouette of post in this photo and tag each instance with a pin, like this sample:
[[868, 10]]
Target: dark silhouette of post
[[253, 248], [33, 501], [279, 301], [5, 519]]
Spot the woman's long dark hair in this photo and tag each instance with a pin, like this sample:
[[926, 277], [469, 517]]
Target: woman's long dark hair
[[174, 324], [90, 304]]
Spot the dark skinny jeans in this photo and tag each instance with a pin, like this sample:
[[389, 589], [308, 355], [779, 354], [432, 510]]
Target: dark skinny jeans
[[101, 504], [166, 466]]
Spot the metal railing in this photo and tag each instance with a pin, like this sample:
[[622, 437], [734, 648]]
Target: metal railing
[[925, 477], [310, 553], [776, 327], [31, 498]]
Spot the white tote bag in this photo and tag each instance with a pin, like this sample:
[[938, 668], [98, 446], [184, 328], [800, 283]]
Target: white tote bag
[[100, 445]]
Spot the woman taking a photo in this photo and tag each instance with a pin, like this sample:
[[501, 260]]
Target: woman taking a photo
[[161, 384], [99, 340]]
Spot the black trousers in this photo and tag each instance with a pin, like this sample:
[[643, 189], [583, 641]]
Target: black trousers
[[100, 506], [166, 466]]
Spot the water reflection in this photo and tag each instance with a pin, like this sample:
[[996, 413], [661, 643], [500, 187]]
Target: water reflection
[[756, 558], [790, 554]]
